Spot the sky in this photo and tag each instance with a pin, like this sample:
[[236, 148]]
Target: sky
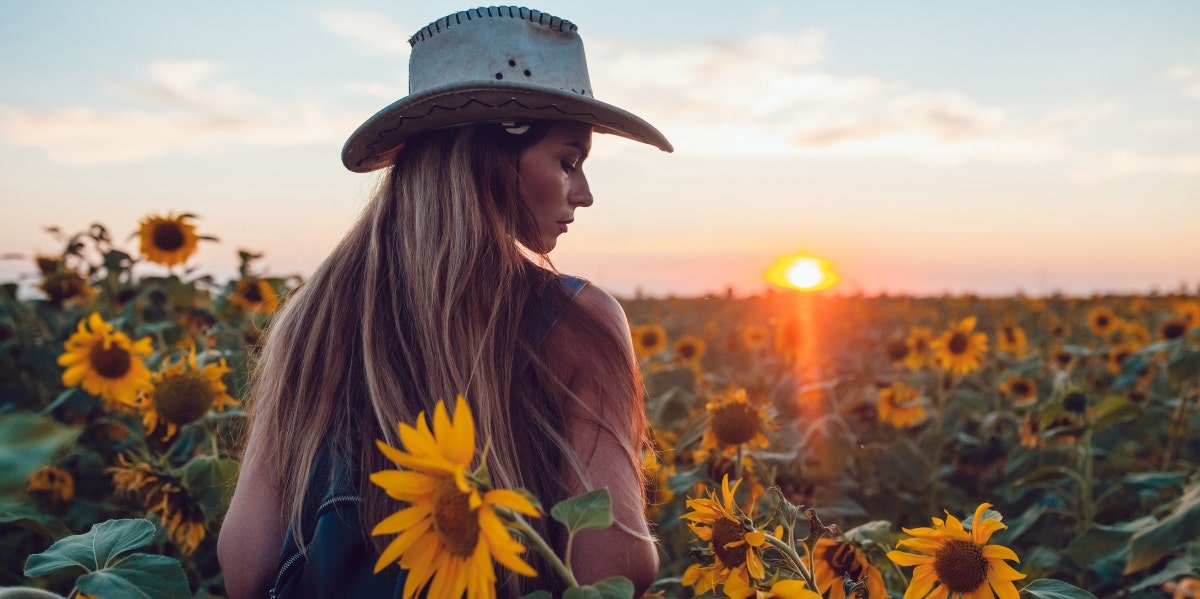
[[922, 147]]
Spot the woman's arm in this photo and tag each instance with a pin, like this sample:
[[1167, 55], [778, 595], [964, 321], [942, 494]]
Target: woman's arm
[[604, 450], [252, 535]]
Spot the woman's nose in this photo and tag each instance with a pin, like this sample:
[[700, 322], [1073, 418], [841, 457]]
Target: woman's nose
[[581, 193]]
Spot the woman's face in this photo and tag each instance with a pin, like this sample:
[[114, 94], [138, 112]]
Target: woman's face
[[552, 182]]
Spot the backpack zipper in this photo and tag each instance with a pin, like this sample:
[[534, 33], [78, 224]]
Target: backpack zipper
[[326, 505]]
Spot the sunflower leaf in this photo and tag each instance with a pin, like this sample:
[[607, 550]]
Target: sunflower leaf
[[591, 510], [1049, 588], [27, 441], [615, 587], [93, 550], [138, 576], [1153, 542], [210, 481]]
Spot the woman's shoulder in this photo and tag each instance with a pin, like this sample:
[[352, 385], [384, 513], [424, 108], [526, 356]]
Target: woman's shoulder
[[598, 303]]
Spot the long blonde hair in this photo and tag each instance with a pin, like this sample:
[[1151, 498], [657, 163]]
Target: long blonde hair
[[430, 295]]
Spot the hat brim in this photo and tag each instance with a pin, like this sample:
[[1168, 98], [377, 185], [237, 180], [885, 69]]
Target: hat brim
[[374, 144]]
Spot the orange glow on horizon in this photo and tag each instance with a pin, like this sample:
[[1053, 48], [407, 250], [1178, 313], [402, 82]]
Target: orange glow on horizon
[[802, 273]]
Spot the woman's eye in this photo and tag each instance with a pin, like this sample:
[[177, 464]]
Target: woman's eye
[[569, 166]]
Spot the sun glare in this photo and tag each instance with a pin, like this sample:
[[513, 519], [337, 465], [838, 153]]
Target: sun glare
[[802, 272]]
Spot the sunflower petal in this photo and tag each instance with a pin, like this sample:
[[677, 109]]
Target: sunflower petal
[[902, 558], [1000, 552], [511, 500]]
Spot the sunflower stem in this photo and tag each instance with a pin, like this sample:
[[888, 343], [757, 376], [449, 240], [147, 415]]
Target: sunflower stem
[[519, 524], [1176, 428], [790, 553]]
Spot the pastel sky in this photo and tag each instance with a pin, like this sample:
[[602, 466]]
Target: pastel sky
[[921, 147]]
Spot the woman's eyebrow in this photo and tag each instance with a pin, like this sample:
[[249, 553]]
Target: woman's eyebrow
[[581, 146]]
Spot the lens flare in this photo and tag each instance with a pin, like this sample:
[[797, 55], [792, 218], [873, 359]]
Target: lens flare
[[802, 272]]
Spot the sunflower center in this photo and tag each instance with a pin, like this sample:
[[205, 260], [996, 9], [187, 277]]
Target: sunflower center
[[1102, 321], [251, 292], [1020, 388], [455, 522], [687, 351], [841, 560], [110, 362], [897, 350], [167, 236], [958, 343], [1010, 335], [649, 339], [725, 531], [183, 398], [1173, 330], [960, 566], [735, 424]]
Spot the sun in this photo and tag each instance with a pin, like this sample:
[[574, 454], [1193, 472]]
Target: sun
[[802, 272]]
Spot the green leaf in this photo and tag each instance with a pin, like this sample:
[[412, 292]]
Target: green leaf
[[1103, 548], [94, 549], [1150, 544], [877, 531], [27, 442], [1183, 366], [210, 481], [615, 587], [1049, 588], [138, 576], [590, 510], [1113, 409], [33, 520]]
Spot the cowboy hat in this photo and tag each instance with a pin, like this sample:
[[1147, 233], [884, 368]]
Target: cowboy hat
[[491, 65]]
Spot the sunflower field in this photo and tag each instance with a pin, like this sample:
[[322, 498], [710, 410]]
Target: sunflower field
[[802, 444]]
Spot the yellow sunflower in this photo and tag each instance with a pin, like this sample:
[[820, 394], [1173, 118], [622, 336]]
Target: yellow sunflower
[[897, 350], [920, 350], [736, 548], [1022, 390], [736, 588], [1102, 320], [689, 349], [255, 295], [960, 350], [649, 339], [1012, 340], [835, 559], [52, 482], [105, 362], [956, 562], [900, 406], [754, 336], [1175, 328], [1117, 354], [448, 532], [733, 421], [66, 286], [183, 393], [168, 240]]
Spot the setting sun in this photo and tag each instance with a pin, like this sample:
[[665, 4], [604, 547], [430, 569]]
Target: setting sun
[[802, 272]]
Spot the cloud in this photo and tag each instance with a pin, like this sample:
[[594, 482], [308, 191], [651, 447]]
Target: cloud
[[766, 95], [184, 108], [1187, 77], [370, 33], [1124, 163]]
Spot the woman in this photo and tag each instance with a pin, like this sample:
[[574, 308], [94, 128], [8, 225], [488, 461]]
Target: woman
[[442, 288]]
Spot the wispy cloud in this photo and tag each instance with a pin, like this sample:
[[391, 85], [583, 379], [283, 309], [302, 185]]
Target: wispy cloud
[[371, 33], [767, 95], [1186, 77], [181, 107], [1124, 163]]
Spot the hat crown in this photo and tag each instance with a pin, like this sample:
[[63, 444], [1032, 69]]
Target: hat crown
[[499, 44]]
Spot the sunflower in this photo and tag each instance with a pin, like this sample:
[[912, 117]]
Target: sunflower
[[900, 406], [160, 494], [1102, 320], [183, 392], [255, 295], [1012, 340], [785, 588], [959, 350], [754, 337], [52, 482], [836, 559], [649, 339], [62, 287], [733, 421], [1173, 329], [1117, 354], [105, 362], [1021, 390], [689, 349], [920, 351], [736, 548], [896, 350], [958, 562], [448, 532], [168, 240], [1189, 311]]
